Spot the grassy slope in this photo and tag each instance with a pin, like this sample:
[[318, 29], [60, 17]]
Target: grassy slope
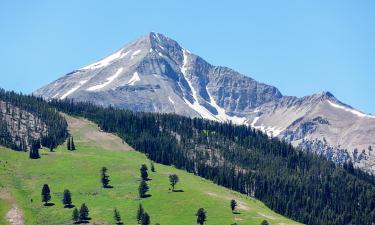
[[78, 171]]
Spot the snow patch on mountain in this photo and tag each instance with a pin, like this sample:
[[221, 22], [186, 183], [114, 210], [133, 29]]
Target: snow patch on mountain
[[353, 111], [109, 80], [169, 98], [73, 89], [106, 61], [134, 79], [135, 53]]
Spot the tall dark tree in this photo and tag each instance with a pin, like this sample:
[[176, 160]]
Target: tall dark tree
[[201, 216], [34, 149], [143, 189], [104, 177], [68, 145], [75, 215], [72, 145], [264, 222], [173, 180], [144, 174], [83, 212], [233, 205], [117, 216], [67, 199], [140, 213], [46, 194], [152, 166], [146, 219]]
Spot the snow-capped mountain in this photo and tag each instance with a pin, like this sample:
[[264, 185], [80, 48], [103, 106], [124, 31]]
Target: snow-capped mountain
[[155, 74]]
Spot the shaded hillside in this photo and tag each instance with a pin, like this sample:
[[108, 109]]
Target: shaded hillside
[[302, 186], [26, 118]]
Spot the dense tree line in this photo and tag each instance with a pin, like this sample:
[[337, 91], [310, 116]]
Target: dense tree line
[[299, 185], [56, 124]]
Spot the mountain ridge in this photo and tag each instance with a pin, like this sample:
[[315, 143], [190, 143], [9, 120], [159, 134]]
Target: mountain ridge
[[155, 74]]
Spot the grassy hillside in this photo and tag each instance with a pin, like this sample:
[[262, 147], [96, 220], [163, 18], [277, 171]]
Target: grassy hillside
[[79, 171]]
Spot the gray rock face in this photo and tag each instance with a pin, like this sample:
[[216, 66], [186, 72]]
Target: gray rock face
[[155, 74]]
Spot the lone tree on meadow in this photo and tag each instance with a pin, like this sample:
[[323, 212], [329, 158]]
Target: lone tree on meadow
[[67, 199], [140, 213], [201, 216], [83, 213], [34, 149], [117, 216], [142, 189], [70, 144], [144, 174], [46, 194], [173, 180], [233, 205], [104, 177], [146, 219], [264, 222], [75, 215]]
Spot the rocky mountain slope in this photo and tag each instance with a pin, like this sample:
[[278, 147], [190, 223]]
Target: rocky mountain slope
[[155, 74]]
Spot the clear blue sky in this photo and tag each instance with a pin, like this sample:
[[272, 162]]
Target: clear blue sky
[[301, 47]]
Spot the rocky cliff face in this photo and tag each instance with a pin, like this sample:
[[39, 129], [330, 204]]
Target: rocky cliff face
[[19, 127], [155, 74]]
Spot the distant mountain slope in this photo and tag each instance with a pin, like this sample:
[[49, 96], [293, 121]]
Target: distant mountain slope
[[155, 74], [24, 119], [79, 171]]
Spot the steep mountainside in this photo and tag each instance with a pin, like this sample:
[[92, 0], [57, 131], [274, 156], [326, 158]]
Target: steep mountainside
[[24, 119], [155, 74]]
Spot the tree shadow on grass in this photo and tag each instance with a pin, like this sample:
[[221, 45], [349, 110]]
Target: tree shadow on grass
[[49, 204], [146, 196], [69, 206], [178, 190], [236, 213], [108, 187]]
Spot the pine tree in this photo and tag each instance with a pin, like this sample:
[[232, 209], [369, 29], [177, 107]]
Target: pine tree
[[117, 216], [146, 219], [72, 145], [142, 189], [104, 177], [34, 149], [75, 215], [83, 212], [233, 205], [68, 144], [152, 167], [46, 194], [264, 222], [67, 198], [144, 174], [140, 213], [201, 216], [173, 179]]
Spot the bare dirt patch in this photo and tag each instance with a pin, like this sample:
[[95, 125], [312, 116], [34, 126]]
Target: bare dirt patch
[[240, 204], [84, 130], [14, 216]]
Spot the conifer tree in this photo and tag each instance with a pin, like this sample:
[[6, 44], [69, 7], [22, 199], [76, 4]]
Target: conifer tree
[[140, 213], [233, 205], [146, 219], [264, 222], [144, 174], [75, 215], [46, 194], [68, 144], [83, 212], [117, 216], [201, 216], [152, 166], [72, 145], [142, 189], [34, 149], [104, 177], [67, 198], [173, 179]]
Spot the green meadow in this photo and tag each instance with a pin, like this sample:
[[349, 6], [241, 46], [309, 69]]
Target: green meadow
[[21, 181]]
